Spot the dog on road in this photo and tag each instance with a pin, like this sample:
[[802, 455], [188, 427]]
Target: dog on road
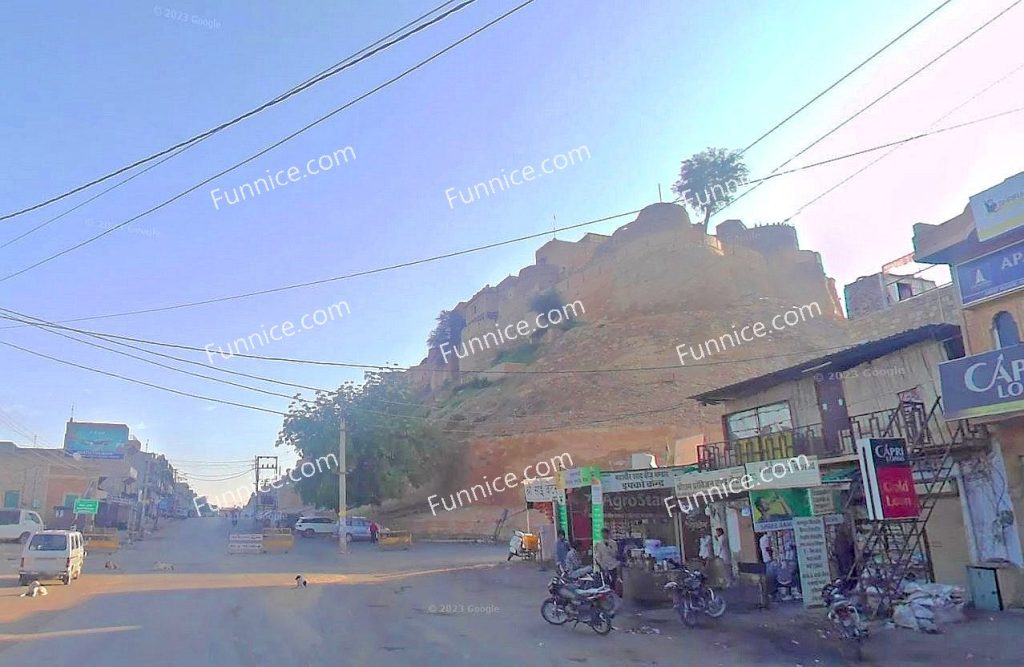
[[300, 581], [163, 567], [111, 565], [35, 589]]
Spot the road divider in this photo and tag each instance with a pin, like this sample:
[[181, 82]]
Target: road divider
[[395, 539], [245, 543]]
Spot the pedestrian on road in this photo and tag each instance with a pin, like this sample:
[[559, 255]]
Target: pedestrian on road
[[606, 555], [561, 549], [374, 531]]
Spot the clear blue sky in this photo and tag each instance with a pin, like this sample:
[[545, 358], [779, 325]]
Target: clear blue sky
[[642, 85]]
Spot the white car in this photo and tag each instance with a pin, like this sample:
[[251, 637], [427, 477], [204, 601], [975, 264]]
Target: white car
[[19, 525], [52, 554], [311, 526]]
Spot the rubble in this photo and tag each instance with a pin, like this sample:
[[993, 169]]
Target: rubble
[[927, 607]]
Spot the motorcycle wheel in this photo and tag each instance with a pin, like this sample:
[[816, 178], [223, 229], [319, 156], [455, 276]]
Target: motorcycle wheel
[[715, 605], [553, 613], [600, 623], [687, 615]]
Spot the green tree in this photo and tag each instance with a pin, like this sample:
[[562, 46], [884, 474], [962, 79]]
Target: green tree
[[449, 328], [546, 301], [709, 180], [390, 447]]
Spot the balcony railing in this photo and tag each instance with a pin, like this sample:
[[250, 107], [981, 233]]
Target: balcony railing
[[920, 427]]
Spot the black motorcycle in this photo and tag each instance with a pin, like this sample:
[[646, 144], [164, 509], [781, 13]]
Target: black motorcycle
[[691, 594], [568, 601]]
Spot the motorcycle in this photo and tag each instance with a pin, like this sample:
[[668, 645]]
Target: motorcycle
[[843, 613], [691, 594], [568, 601], [517, 547]]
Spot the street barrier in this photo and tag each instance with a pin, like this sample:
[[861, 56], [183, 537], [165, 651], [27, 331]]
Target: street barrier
[[102, 539], [395, 539], [245, 543], [276, 540]]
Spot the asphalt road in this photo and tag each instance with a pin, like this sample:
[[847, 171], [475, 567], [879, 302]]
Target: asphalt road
[[436, 604]]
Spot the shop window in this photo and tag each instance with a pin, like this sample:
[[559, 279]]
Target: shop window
[[1004, 330]]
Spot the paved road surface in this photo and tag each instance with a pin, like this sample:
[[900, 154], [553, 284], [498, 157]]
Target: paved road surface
[[433, 605]]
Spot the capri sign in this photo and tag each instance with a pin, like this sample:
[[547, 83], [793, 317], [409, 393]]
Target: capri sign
[[984, 384]]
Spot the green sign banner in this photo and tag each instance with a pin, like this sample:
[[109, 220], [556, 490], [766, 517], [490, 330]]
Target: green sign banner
[[776, 509], [87, 506]]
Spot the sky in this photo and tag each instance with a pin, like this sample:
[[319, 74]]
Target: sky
[[641, 85]]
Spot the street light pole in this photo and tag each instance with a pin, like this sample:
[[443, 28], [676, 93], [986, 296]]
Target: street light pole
[[342, 492]]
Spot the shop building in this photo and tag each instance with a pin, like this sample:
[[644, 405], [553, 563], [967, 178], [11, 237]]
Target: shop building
[[984, 248], [880, 388]]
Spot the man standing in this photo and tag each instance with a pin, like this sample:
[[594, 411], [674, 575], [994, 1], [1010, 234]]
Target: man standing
[[722, 563], [561, 549], [374, 531], [606, 555]]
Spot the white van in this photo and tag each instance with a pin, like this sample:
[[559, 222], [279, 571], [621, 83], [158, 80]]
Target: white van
[[19, 525], [52, 554]]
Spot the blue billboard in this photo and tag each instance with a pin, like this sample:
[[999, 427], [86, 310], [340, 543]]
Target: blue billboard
[[990, 383], [991, 275], [95, 441]]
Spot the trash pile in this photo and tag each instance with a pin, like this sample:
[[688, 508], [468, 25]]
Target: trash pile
[[927, 607]]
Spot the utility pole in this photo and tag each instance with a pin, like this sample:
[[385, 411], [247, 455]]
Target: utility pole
[[256, 499], [342, 493]]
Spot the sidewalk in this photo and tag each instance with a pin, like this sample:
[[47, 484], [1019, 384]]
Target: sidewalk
[[790, 633]]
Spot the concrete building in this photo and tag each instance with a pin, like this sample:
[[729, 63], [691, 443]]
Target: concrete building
[[874, 293], [984, 247]]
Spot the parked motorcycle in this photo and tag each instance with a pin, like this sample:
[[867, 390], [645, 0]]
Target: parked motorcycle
[[569, 600], [843, 613], [522, 545], [691, 594]]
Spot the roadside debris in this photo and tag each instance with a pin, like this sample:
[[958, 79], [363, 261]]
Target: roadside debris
[[928, 607]]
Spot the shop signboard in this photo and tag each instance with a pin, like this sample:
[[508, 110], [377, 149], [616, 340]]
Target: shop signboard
[[540, 490], [95, 441], [775, 509], [794, 472], [576, 478], [989, 383], [690, 484], [999, 209], [563, 512], [997, 273], [888, 479], [635, 505], [641, 480], [812, 557], [596, 508], [822, 501]]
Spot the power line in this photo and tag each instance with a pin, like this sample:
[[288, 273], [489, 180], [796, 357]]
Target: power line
[[846, 76], [271, 146], [317, 78], [384, 367], [877, 100], [519, 239], [141, 382], [895, 148]]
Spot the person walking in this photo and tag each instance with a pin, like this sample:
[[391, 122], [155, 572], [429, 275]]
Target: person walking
[[721, 564], [374, 531]]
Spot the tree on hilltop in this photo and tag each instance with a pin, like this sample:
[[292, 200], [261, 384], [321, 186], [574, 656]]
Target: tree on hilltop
[[709, 180], [449, 328]]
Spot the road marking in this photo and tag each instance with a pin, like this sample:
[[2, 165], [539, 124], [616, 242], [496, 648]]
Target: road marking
[[67, 633]]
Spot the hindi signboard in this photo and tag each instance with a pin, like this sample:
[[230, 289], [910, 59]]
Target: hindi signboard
[[812, 557]]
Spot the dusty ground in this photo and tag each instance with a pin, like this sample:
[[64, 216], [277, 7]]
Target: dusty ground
[[436, 604]]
